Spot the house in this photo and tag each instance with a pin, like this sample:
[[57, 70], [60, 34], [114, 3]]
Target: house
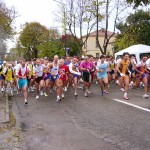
[[91, 47]]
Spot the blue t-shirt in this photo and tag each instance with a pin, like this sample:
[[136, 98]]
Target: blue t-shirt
[[102, 66]]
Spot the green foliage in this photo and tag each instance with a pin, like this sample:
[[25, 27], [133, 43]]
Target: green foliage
[[47, 43], [51, 48], [136, 30], [32, 36], [7, 15], [139, 2]]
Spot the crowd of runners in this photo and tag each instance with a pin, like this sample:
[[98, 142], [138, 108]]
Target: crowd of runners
[[43, 75]]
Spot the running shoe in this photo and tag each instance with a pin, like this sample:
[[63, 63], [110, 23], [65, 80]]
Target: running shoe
[[12, 94], [37, 97], [41, 93], [126, 98], [76, 95], [145, 96], [65, 89], [85, 94], [25, 102], [29, 90], [45, 94], [32, 89], [58, 99], [63, 96], [122, 89], [117, 82], [51, 92], [88, 92]]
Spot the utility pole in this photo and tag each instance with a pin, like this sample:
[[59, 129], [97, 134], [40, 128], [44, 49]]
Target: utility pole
[[64, 28], [97, 8]]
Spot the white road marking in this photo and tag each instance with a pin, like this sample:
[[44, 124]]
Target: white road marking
[[129, 104]]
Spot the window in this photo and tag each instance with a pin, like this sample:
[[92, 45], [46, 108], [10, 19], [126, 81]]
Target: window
[[144, 54], [97, 55]]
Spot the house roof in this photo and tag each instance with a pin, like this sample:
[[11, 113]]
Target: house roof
[[101, 33]]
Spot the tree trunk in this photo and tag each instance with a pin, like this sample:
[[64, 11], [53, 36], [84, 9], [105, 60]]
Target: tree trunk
[[35, 53]]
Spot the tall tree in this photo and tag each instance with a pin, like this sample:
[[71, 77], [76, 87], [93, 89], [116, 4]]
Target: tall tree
[[136, 30], [7, 16], [111, 9], [32, 35], [52, 46], [78, 18], [138, 2]]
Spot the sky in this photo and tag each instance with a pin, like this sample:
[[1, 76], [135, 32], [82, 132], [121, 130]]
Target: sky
[[42, 11], [33, 10]]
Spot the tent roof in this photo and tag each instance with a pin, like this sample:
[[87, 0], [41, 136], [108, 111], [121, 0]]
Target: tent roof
[[135, 49]]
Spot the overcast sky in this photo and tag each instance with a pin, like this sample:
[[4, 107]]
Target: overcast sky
[[33, 10], [41, 11]]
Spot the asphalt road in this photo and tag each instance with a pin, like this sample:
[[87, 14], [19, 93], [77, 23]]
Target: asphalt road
[[93, 123]]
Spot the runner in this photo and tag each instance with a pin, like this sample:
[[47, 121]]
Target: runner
[[86, 68], [63, 75], [54, 67], [8, 74], [123, 74], [92, 71], [148, 70], [30, 76], [141, 75], [21, 74], [66, 63], [132, 64], [39, 81], [112, 69], [73, 68], [102, 75], [46, 76], [2, 76]]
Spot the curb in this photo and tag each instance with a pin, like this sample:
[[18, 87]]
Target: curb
[[7, 108]]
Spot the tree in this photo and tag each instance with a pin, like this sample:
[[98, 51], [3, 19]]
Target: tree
[[138, 2], [32, 35], [136, 30], [7, 16], [108, 9], [52, 46], [73, 45], [78, 18]]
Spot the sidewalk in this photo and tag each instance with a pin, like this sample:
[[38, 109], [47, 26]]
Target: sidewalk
[[9, 135], [4, 108]]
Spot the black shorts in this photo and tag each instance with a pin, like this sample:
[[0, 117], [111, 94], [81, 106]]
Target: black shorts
[[112, 72], [38, 79], [86, 76], [3, 77], [28, 79]]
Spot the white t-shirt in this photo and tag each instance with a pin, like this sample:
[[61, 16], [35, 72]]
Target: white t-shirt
[[148, 63], [38, 70], [23, 70]]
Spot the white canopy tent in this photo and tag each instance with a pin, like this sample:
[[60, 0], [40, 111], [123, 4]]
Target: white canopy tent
[[136, 50]]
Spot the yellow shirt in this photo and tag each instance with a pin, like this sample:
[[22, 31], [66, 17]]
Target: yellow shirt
[[112, 65], [31, 70], [9, 75], [124, 66]]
